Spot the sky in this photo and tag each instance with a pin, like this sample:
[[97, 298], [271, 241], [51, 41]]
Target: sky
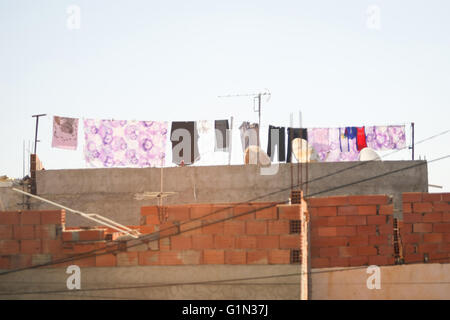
[[339, 63]]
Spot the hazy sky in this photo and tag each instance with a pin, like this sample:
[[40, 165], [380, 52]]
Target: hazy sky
[[169, 60]]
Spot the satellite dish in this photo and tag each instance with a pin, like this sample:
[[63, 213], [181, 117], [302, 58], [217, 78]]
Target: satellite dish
[[368, 154], [252, 153], [302, 150]]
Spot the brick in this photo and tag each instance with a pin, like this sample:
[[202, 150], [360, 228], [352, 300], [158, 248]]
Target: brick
[[168, 229], [20, 261], [421, 207], [4, 262], [339, 262], [23, 232], [406, 228], [441, 227], [446, 197], [152, 219], [367, 210], [412, 238], [328, 252], [9, 247], [320, 263], [356, 220], [432, 217], [224, 242], [246, 242], [191, 228], [279, 256], [256, 227], [257, 257], [6, 232], [53, 217], [439, 257], [290, 241], [427, 247], [325, 242], [386, 209], [348, 251], [52, 246], [432, 197], [69, 236], [267, 242], [149, 210], [359, 261], [190, 257], [327, 211], [379, 240], [126, 259], [200, 211], [367, 251], [219, 212], [165, 244], [422, 227], [105, 260], [91, 235], [346, 231], [178, 213], [213, 256], [433, 237], [147, 229], [289, 212], [336, 221], [328, 201], [30, 246], [347, 210], [386, 229], [377, 220], [30, 217], [386, 250], [213, 228], [359, 240], [368, 230], [446, 217], [48, 232], [412, 197], [441, 207], [148, 258], [203, 241], [368, 200], [235, 257], [414, 258], [412, 218], [267, 214], [381, 260], [407, 207], [243, 212], [181, 242], [278, 227], [9, 217], [234, 227], [327, 232]]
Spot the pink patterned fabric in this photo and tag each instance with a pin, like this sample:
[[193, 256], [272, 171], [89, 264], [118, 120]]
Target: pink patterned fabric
[[65, 133], [318, 139], [113, 143], [386, 137], [335, 154]]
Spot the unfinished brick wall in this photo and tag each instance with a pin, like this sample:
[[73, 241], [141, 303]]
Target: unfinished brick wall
[[351, 231], [345, 231], [425, 229]]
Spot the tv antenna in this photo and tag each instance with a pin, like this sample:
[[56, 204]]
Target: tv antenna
[[257, 97]]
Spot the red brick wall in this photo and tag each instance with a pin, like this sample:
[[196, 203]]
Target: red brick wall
[[345, 231]]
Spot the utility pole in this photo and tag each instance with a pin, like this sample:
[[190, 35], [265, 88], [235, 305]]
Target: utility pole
[[37, 116]]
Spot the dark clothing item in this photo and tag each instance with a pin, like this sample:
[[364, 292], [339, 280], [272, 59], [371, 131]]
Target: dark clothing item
[[350, 133], [294, 133], [361, 138], [274, 142], [248, 132], [223, 139], [179, 155]]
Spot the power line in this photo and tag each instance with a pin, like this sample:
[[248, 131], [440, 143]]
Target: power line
[[143, 238]]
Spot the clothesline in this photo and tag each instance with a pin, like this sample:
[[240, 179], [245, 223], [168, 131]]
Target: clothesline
[[121, 143]]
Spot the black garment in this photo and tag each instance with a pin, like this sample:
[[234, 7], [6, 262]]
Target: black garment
[[294, 133], [191, 127], [279, 143], [222, 142]]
